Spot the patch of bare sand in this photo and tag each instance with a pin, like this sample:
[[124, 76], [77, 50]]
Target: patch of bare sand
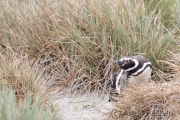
[[83, 107]]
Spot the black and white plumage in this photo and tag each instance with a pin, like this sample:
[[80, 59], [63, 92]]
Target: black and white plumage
[[119, 80], [138, 70], [118, 83]]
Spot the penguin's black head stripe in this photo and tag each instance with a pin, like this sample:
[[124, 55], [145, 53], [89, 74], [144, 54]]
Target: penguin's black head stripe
[[132, 64], [125, 63], [128, 64]]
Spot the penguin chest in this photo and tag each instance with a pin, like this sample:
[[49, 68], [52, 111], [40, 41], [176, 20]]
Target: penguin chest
[[143, 77]]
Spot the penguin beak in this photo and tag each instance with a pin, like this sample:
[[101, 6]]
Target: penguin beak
[[118, 62]]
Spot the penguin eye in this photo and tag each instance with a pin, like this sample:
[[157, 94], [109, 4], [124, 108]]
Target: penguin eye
[[123, 61]]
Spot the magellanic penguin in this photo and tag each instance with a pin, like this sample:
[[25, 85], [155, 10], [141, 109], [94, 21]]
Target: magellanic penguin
[[137, 68]]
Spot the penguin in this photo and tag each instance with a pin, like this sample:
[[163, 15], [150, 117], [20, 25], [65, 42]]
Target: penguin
[[133, 70]]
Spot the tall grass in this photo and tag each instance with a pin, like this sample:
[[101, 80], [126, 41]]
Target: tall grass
[[82, 38]]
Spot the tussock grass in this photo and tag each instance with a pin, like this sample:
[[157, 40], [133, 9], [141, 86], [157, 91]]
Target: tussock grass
[[155, 101], [21, 96], [19, 75]]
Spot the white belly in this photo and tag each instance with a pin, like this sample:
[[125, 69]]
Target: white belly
[[141, 78]]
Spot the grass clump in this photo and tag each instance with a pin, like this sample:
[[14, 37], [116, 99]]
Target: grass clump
[[21, 90], [157, 101], [20, 75]]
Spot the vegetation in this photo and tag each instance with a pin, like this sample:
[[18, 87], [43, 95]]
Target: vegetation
[[152, 102], [27, 110], [46, 45]]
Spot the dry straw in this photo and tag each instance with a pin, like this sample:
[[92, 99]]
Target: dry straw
[[154, 101]]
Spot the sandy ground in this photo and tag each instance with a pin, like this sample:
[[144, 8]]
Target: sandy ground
[[83, 107]]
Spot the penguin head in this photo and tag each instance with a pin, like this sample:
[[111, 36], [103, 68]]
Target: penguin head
[[126, 63]]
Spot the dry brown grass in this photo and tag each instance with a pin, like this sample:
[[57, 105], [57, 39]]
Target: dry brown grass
[[154, 101], [21, 75], [22, 84]]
